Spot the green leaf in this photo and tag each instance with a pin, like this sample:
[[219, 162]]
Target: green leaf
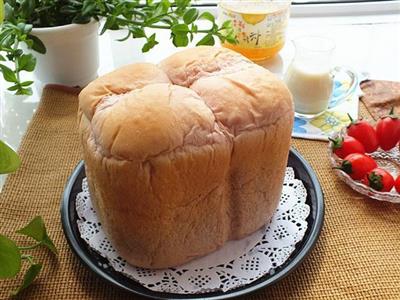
[[20, 90], [18, 52], [206, 40], [125, 37], [151, 42], [68, 10], [81, 19], [26, 8], [231, 37], [181, 6], [160, 9], [24, 91], [9, 160], [148, 46], [29, 43], [180, 40], [190, 15], [137, 32], [88, 7], [27, 28], [8, 74], [29, 277], [207, 16], [10, 258], [7, 42], [180, 28], [37, 230], [166, 5], [166, 20], [38, 45], [104, 28], [110, 24], [8, 12], [26, 83], [1, 56], [227, 24], [26, 62], [14, 88], [152, 21], [49, 244], [194, 28]]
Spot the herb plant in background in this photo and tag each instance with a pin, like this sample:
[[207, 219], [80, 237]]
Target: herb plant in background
[[20, 16], [11, 255]]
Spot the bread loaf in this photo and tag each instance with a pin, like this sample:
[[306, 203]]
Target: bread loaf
[[184, 156]]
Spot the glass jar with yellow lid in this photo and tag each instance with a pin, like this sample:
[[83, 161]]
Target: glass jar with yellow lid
[[259, 25]]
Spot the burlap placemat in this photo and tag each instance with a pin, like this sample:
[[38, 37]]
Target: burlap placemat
[[356, 257]]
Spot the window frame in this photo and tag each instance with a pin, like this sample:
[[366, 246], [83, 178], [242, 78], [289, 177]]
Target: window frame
[[332, 8]]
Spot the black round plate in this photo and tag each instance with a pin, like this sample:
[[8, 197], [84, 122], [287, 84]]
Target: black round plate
[[93, 261]]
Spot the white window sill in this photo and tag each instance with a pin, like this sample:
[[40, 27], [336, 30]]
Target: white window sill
[[375, 8], [346, 9]]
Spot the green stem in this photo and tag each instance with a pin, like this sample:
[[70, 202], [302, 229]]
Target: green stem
[[157, 26], [141, 23], [153, 26], [136, 12], [5, 49], [28, 258], [29, 247], [351, 119], [15, 48]]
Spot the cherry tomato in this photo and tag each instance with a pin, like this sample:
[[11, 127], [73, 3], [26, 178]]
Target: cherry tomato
[[388, 131], [397, 184], [357, 165], [379, 179], [343, 146], [365, 133]]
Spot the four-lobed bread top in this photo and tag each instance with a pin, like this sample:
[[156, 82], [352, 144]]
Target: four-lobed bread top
[[198, 96]]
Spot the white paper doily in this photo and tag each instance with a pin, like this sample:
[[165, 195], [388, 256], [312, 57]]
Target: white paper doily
[[236, 264]]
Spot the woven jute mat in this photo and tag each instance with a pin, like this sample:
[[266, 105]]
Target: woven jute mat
[[356, 257]]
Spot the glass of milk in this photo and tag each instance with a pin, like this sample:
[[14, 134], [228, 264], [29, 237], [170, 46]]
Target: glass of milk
[[310, 75]]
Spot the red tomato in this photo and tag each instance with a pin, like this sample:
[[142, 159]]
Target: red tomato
[[379, 179], [363, 132], [397, 184], [357, 165], [388, 131], [343, 146]]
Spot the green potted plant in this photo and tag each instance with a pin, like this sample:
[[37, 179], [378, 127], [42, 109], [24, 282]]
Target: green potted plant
[[12, 256], [58, 38]]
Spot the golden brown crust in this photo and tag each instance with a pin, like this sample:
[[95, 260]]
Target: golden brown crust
[[175, 172], [153, 120], [185, 67], [121, 81]]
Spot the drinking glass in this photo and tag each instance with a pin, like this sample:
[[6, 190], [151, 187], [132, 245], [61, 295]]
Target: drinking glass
[[310, 76]]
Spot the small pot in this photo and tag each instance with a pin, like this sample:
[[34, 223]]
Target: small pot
[[72, 56]]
